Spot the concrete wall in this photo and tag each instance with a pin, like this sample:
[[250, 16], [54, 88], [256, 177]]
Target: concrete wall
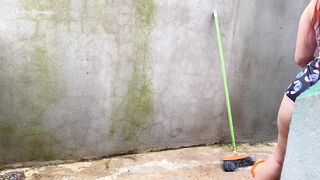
[[81, 79], [262, 64], [301, 161]]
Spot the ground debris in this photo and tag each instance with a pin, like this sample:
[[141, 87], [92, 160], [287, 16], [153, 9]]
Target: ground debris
[[15, 175], [202, 162]]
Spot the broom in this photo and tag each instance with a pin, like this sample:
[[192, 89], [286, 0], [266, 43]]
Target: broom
[[235, 160]]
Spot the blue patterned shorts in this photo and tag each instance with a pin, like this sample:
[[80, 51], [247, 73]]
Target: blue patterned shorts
[[304, 79]]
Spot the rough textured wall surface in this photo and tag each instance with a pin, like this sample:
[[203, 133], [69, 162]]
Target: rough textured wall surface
[[262, 64], [82, 79], [301, 161]]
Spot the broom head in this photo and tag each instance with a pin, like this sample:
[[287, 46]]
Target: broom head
[[234, 161]]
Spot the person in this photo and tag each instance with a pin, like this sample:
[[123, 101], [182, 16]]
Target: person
[[308, 39]]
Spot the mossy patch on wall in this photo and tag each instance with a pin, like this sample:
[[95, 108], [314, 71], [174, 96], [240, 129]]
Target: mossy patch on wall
[[43, 70], [37, 88], [51, 11], [132, 116], [37, 84]]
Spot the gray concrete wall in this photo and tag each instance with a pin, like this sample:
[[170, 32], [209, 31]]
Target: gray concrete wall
[[301, 161], [81, 79], [262, 64]]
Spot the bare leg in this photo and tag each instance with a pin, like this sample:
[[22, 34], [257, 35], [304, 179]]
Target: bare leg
[[271, 168]]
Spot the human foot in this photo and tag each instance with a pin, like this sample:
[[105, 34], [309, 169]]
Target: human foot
[[269, 169]]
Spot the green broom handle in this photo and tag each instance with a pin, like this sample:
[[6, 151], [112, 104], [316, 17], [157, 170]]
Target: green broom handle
[[224, 75]]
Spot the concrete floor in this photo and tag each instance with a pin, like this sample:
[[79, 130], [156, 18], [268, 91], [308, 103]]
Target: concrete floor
[[186, 163]]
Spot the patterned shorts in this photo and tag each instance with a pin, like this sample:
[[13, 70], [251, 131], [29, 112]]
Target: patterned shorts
[[305, 79]]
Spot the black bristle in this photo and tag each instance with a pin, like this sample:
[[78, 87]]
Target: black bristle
[[248, 161], [229, 166], [232, 165]]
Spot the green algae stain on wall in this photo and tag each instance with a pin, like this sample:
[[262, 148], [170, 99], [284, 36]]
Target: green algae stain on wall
[[92, 16], [45, 88], [59, 9], [43, 92], [37, 88], [138, 101], [145, 11], [24, 132]]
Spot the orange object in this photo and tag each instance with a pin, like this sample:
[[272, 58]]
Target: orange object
[[255, 165], [235, 156]]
